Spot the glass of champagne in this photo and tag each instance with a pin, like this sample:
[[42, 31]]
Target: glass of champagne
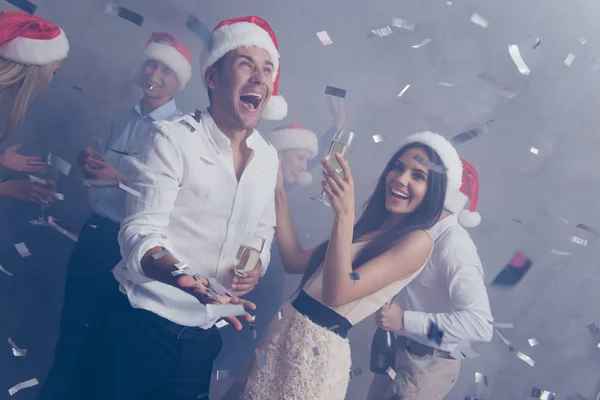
[[342, 142], [99, 145], [249, 252], [46, 174]]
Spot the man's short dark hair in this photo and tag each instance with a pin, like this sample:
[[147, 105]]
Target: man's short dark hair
[[218, 65]]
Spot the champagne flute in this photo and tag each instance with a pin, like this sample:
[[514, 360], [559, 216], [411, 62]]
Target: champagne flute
[[342, 143], [99, 145], [47, 174], [249, 252]]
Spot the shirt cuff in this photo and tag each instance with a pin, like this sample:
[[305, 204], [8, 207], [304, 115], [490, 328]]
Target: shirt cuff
[[415, 322], [134, 265]]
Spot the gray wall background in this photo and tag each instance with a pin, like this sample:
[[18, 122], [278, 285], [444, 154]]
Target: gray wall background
[[554, 111]]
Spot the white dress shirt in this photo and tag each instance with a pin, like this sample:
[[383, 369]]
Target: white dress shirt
[[127, 131], [193, 206], [449, 291]]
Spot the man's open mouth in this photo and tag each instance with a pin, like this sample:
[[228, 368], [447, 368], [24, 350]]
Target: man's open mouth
[[252, 100]]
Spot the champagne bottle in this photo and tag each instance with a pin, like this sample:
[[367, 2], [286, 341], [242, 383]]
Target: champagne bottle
[[383, 349]]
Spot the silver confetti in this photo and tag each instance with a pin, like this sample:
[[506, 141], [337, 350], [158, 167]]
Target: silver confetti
[[382, 32], [160, 254], [432, 166], [515, 54], [23, 385], [37, 180], [502, 325], [129, 190], [315, 351], [481, 379], [578, 240], [526, 358], [354, 276], [536, 44], [533, 150], [355, 372], [595, 63], [324, 38], [221, 323], [279, 314], [217, 286], [569, 60], [560, 252], [445, 84], [378, 138], [478, 20], [391, 373], [5, 271], [401, 23], [224, 310], [59, 196], [423, 43], [222, 374], [22, 249], [542, 394], [582, 40], [533, 342], [58, 163], [403, 90], [17, 352]]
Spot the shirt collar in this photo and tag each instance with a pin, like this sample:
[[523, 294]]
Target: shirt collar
[[443, 225], [161, 113], [220, 138]]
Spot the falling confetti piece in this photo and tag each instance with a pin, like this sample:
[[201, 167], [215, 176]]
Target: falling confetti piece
[[315, 351], [382, 32], [514, 271], [222, 374], [5, 271], [160, 254], [440, 169], [391, 373], [478, 20], [542, 394], [354, 276], [336, 92], [593, 328], [93, 226], [445, 84], [24, 5], [578, 240], [124, 13], [22, 249], [557, 216], [58, 163], [221, 323], [378, 138], [526, 358], [481, 379], [57, 226], [201, 30], [449, 2], [502, 325], [59, 196], [23, 385], [423, 43], [560, 252], [37, 180], [324, 38], [279, 314], [533, 342], [355, 372], [401, 23], [518, 221], [533, 150], [17, 352], [536, 44], [80, 89], [224, 310], [595, 63], [515, 54], [582, 40], [403, 90], [435, 334], [203, 395], [569, 60], [588, 229], [504, 339]]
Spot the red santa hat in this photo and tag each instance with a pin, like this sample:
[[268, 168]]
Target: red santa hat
[[295, 136], [164, 47], [447, 154], [28, 39], [249, 31], [469, 192]]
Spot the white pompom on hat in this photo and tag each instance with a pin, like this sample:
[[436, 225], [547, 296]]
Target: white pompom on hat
[[249, 31], [164, 47], [28, 39], [469, 192], [294, 136], [447, 154]]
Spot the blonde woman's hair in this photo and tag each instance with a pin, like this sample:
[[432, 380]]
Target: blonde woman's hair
[[21, 84]]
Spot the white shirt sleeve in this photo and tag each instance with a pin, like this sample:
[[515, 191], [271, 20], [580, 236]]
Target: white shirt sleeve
[[466, 288], [157, 175], [266, 230]]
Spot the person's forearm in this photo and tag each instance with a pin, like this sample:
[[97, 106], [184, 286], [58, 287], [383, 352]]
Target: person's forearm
[[160, 269], [285, 235], [337, 265], [464, 325]]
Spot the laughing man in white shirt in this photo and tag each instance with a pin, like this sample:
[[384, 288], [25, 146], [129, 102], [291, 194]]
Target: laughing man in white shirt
[[206, 181], [450, 293]]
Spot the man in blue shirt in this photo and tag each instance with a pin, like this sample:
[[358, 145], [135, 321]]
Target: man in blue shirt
[[166, 70]]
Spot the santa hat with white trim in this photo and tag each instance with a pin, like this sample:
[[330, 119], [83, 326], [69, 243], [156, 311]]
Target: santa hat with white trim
[[164, 47], [243, 32], [295, 136], [28, 39], [469, 192], [446, 152]]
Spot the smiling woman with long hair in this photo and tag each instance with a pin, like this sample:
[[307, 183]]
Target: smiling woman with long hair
[[362, 266]]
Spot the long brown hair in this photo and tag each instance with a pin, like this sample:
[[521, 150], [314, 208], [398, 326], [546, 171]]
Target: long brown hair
[[21, 84]]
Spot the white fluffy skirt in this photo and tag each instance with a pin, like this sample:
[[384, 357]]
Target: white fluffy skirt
[[291, 370]]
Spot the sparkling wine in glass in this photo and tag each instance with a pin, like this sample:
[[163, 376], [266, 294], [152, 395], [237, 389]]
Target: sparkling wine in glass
[[248, 253], [46, 174], [342, 143]]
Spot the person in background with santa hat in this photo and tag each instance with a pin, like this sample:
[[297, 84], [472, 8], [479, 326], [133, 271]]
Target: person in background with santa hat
[[31, 51], [206, 182], [166, 70], [297, 148], [449, 293]]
